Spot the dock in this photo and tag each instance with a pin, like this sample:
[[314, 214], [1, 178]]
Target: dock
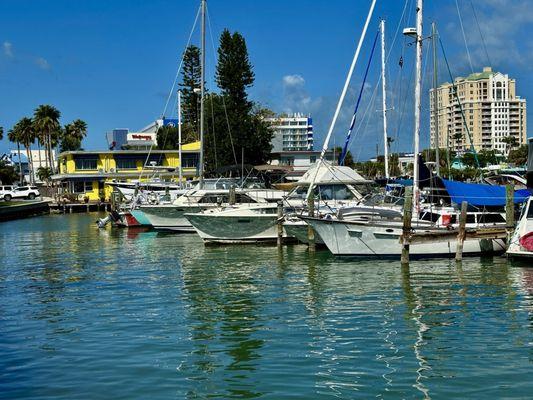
[[69, 208], [23, 209]]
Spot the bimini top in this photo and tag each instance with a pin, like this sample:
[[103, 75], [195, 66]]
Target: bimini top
[[326, 173], [481, 195]]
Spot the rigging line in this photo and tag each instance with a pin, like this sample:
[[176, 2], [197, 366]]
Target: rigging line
[[181, 63], [397, 30], [464, 36], [354, 117], [222, 95], [454, 88], [480, 33], [171, 90]]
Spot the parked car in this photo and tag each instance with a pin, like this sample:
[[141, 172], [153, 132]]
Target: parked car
[[22, 192], [6, 190]]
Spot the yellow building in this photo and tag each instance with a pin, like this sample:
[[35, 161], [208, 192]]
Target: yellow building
[[84, 173], [492, 112]]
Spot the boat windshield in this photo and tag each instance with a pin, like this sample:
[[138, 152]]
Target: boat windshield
[[324, 192]]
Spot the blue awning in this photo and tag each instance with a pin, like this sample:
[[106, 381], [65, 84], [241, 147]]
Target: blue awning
[[481, 195]]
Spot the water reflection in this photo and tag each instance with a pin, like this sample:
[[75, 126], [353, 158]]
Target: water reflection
[[139, 314]]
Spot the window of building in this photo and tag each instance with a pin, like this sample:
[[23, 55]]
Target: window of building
[[86, 163], [127, 163], [190, 160], [82, 187]]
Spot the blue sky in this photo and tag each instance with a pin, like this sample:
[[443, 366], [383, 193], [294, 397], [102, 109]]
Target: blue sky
[[112, 62]]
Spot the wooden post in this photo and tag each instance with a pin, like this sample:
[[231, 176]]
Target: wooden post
[[509, 211], [280, 223], [462, 233], [232, 196], [310, 230], [407, 217]]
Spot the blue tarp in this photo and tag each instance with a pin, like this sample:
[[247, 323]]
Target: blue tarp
[[481, 195]]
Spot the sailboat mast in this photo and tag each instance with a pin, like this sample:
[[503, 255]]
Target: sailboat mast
[[202, 94], [341, 99], [179, 139], [435, 98], [384, 96], [418, 94]]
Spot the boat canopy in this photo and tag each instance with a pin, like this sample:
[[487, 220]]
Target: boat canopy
[[481, 195], [326, 173]]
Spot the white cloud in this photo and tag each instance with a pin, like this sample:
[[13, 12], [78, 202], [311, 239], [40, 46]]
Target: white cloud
[[293, 80], [42, 63], [8, 49]]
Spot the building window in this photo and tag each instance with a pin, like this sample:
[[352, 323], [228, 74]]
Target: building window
[[126, 163], [86, 163], [190, 160], [82, 187]]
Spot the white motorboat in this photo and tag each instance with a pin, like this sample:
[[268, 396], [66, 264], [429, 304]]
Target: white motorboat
[[157, 188], [214, 194], [335, 186], [521, 244], [379, 235]]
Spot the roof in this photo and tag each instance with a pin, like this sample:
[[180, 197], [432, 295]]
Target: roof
[[324, 172], [96, 152]]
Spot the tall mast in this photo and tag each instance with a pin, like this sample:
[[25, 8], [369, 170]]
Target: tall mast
[[384, 96], [418, 93], [435, 98], [341, 99], [179, 139], [202, 94]]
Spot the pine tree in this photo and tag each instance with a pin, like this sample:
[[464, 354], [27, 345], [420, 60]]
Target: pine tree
[[191, 78], [234, 71]]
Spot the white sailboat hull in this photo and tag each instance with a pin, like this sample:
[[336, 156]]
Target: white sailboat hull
[[344, 238]]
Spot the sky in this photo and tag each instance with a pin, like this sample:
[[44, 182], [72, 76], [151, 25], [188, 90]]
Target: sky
[[112, 63]]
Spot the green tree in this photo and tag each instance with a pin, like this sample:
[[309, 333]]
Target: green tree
[[27, 138], [190, 90], [46, 122], [8, 175], [44, 174], [73, 135], [1, 132], [518, 156], [235, 129], [234, 73], [348, 159], [511, 143], [14, 137]]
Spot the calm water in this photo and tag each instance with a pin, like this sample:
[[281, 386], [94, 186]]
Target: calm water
[[116, 314]]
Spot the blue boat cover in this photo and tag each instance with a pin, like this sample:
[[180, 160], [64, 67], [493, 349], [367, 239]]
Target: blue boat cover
[[481, 195]]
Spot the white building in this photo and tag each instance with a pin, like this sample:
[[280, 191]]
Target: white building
[[292, 133]]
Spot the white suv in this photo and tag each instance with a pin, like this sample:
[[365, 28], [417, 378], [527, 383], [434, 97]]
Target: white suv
[[6, 190], [21, 192]]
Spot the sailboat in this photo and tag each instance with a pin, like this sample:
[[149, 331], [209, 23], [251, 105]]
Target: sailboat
[[380, 236]]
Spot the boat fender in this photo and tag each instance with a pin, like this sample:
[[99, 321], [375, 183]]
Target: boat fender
[[446, 219], [526, 241]]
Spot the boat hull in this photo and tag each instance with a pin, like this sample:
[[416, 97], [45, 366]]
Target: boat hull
[[299, 231], [363, 240], [170, 217], [235, 228]]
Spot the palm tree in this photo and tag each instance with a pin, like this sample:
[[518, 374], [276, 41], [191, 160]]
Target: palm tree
[[511, 142], [27, 138], [14, 137], [73, 135], [46, 122]]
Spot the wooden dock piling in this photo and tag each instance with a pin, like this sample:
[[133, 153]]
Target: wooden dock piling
[[280, 223], [310, 230], [232, 195], [407, 216], [461, 235], [509, 211]]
